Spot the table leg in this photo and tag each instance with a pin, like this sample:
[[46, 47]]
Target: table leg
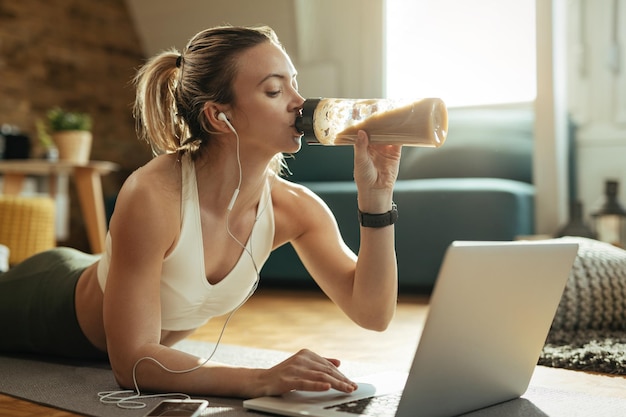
[[13, 183], [89, 188]]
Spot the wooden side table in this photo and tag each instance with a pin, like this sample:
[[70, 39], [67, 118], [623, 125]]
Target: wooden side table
[[87, 178]]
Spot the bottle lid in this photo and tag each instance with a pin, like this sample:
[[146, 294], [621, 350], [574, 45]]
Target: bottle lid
[[305, 121]]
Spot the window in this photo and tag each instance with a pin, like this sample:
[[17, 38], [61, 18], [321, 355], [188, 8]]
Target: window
[[467, 52]]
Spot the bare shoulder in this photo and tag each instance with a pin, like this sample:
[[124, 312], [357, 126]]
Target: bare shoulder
[[160, 178], [151, 193], [297, 209], [293, 197], [165, 169]]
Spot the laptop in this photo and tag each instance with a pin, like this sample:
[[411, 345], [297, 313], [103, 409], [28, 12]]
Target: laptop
[[490, 312]]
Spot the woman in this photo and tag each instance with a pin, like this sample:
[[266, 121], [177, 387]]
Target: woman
[[193, 227]]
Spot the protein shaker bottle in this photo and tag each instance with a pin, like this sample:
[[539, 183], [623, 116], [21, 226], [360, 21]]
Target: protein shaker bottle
[[335, 121]]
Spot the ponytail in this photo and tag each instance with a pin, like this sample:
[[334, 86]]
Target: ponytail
[[155, 105]]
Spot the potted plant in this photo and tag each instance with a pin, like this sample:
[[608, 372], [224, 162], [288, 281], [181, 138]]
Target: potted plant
[[71, 134]]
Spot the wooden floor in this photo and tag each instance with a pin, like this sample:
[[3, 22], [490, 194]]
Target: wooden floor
[[291, 320]]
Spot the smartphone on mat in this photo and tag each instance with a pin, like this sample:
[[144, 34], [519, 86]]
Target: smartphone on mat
[[184, 408]]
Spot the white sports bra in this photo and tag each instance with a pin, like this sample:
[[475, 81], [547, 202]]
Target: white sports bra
[[188, 300]]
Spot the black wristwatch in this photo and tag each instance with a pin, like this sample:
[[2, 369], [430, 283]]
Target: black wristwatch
[[379, 220]]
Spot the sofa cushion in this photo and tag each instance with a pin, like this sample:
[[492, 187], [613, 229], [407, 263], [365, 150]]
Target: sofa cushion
[[322, 163]]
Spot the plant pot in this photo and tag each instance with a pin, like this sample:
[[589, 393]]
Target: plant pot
[[73, 145]]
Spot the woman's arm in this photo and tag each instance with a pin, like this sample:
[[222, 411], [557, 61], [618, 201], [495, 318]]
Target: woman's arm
[[364, 287], [142, 231], [376, 279]]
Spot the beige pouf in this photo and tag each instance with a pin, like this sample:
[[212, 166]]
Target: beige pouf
[[26, 225]]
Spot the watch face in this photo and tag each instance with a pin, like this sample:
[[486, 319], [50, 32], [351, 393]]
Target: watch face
[[394, 215]]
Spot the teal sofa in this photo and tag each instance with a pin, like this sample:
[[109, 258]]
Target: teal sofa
[[477, 186]]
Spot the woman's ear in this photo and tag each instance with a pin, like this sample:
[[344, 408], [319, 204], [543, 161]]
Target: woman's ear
[[212, 113]]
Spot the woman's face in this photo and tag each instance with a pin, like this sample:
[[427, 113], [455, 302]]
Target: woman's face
[[266, 99]]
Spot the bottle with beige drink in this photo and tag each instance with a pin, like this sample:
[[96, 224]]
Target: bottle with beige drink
[[335, 121]]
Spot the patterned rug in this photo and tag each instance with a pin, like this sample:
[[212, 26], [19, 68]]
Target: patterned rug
[[586, 350], [589, 330]]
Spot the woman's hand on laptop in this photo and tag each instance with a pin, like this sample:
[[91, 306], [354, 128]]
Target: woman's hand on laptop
[[304, 371]]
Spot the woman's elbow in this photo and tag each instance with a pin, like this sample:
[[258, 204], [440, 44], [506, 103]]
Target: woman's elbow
[[123, 376], [124, 369], [377, 322], [377, 327]]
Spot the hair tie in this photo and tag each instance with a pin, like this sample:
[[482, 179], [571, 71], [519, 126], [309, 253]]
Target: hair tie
[[179, 61]]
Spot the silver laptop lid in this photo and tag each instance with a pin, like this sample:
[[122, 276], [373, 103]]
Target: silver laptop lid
[[490, 313]]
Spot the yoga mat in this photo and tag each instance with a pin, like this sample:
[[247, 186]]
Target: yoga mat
[[74, 386]]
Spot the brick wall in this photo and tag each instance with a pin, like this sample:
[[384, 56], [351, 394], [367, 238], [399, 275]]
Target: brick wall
[[80, 55]]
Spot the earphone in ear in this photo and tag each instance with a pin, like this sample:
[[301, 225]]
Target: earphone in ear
[[221, 116]]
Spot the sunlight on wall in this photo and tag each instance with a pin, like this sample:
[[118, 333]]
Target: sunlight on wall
[[467, 52]]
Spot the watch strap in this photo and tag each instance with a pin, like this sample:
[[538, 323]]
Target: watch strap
[[379, 220]]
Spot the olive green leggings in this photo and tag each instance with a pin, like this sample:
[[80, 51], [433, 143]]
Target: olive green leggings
[[37, 311]]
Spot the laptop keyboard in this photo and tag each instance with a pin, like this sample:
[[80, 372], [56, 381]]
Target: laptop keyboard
[[380, 406]]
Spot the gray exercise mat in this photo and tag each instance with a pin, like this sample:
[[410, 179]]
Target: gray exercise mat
[[74, 387]]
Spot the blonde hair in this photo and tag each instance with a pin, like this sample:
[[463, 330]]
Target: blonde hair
[[172, 88]]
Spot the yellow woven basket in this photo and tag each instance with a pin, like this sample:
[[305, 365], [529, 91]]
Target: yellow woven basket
[[26, 225]]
